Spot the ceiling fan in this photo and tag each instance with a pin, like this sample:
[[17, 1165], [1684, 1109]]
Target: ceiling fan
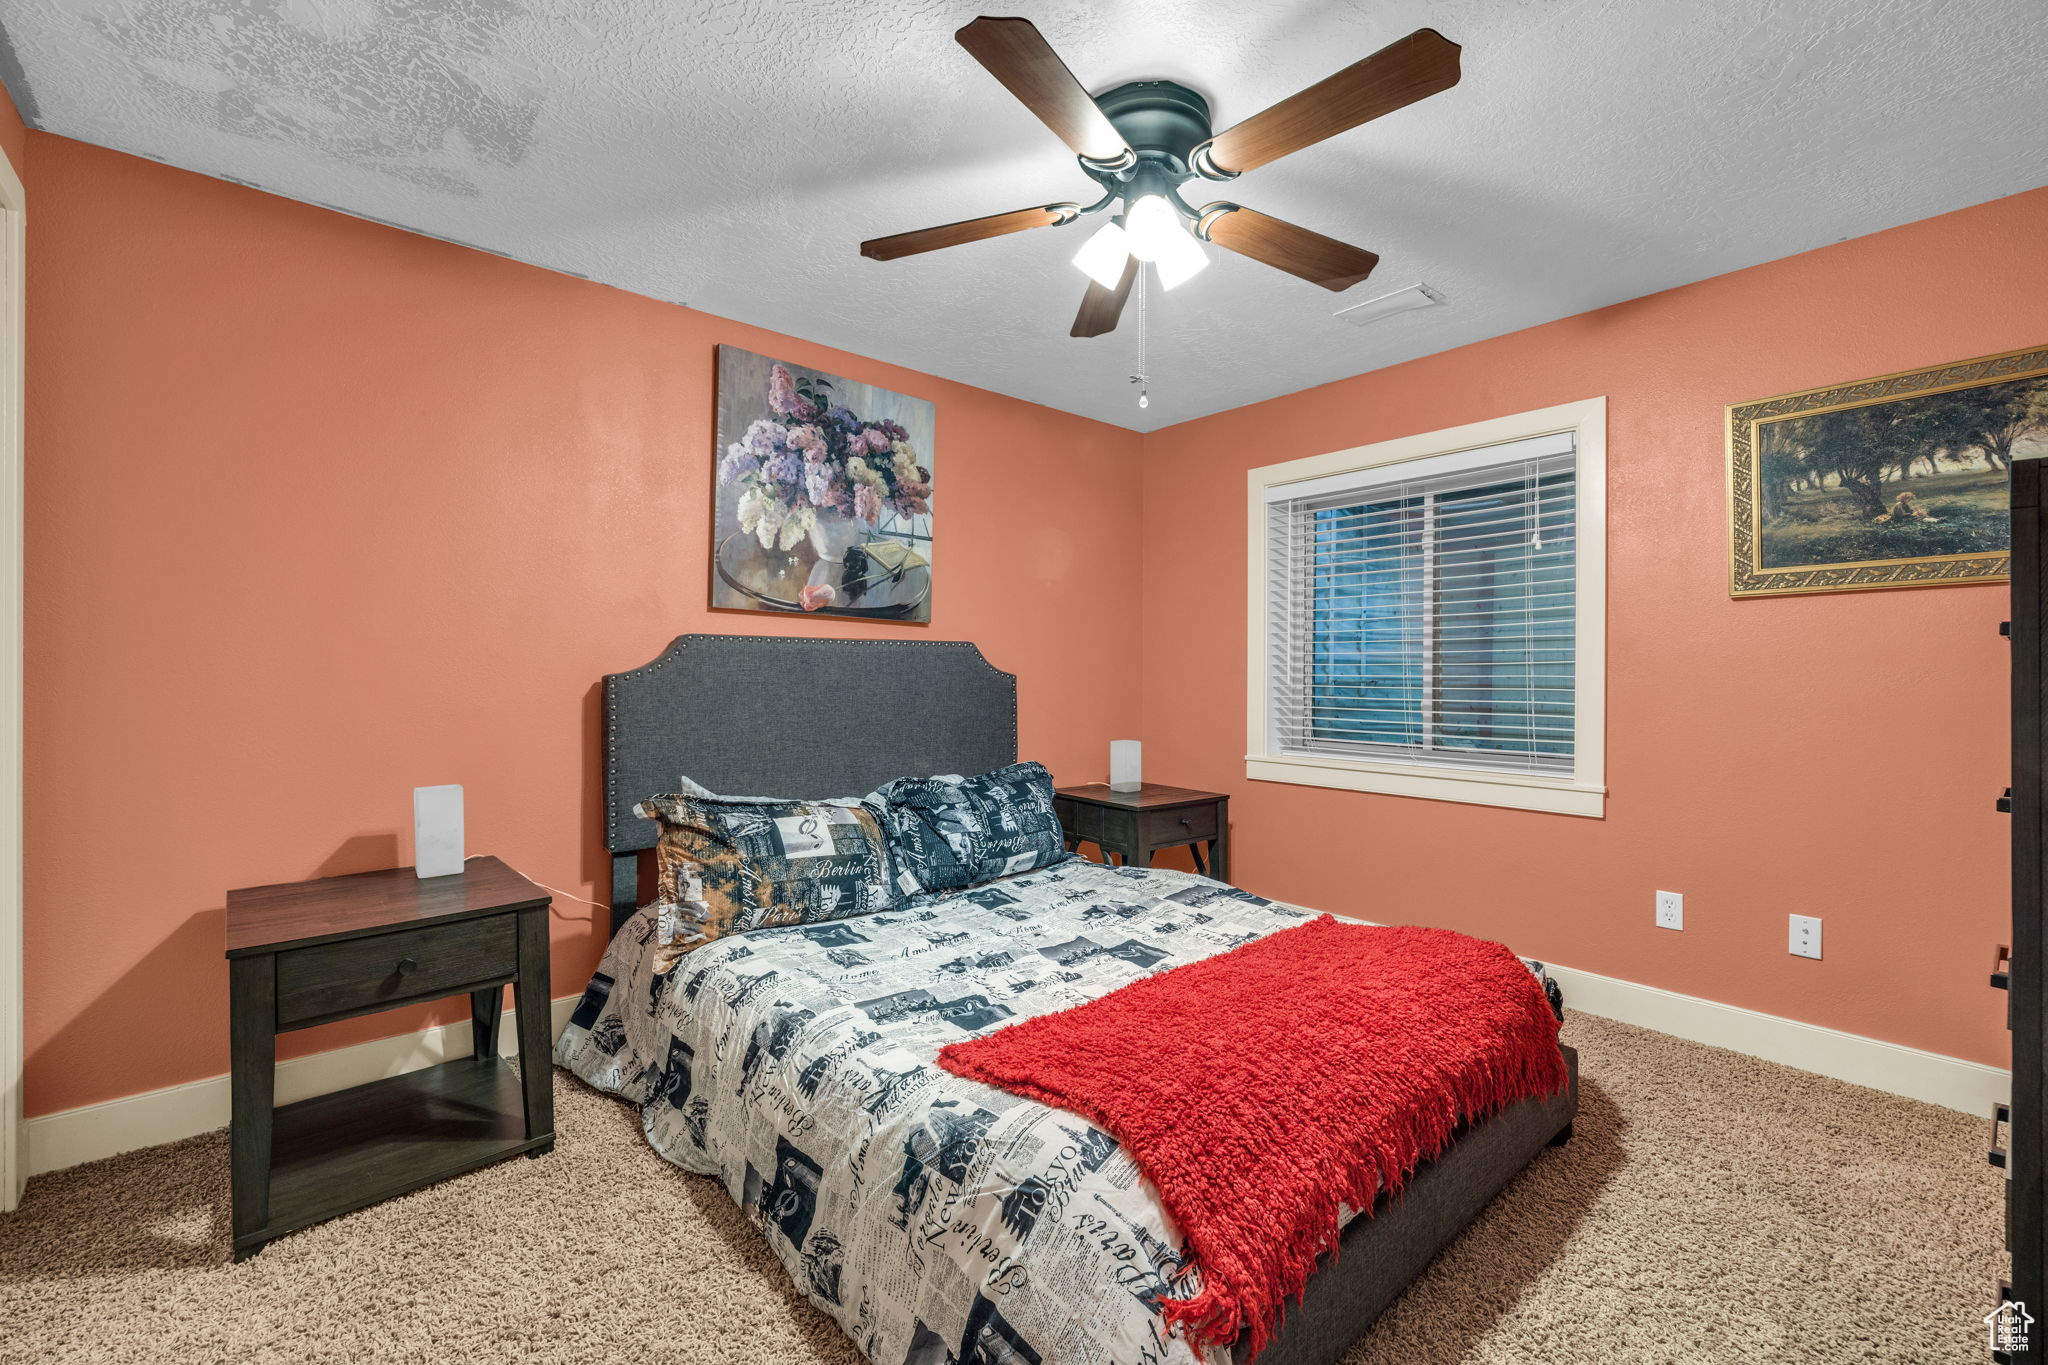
[[1145, 139]]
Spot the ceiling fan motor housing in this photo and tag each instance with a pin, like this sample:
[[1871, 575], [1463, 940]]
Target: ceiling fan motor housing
[[1161, 120]]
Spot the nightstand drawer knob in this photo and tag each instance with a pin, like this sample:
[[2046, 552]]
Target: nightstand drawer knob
[[406, 966], [1184, 823]]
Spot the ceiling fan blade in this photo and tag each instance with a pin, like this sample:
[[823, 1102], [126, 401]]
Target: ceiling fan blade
[[1399, 74], [1100, 307], [1016, 54], [1318, 259], [972, 230]]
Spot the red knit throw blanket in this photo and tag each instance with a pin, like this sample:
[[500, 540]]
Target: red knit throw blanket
[[1260, 1088]]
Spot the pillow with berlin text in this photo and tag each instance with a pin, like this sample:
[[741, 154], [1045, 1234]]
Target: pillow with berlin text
[[748, 863]]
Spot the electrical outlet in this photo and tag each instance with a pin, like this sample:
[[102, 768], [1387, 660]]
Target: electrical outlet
[[1670, 910], [1805, 936]]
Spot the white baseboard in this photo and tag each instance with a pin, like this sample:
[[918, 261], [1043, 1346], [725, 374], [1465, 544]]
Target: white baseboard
[[92, 1131], [102, 1130], [1948, 1081]]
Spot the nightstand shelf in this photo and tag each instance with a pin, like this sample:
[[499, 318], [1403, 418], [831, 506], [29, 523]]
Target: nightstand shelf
[[392, 1136], [306, 953]]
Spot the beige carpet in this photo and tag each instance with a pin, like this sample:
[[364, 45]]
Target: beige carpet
[[1711, 1209]]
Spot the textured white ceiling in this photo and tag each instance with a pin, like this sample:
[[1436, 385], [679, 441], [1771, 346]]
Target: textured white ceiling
[[732, 154]]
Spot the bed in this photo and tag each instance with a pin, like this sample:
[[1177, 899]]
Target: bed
[[939, 1221]]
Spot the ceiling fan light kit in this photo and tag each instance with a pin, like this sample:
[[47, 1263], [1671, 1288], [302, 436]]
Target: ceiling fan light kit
[[1152, 226], [1179, 260], [1101, 258], [1144, 140], [1157, 235]]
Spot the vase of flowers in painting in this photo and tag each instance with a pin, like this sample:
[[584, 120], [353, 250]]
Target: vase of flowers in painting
[[833, 534], [814, 473]]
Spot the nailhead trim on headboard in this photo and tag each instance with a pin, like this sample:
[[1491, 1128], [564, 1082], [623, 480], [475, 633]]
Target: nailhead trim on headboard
[[1002, 716]]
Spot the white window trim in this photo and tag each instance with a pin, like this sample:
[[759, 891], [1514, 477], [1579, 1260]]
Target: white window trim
[[1585, 792], [13, 1148]]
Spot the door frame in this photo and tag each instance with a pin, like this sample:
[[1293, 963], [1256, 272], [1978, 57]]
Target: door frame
[[13, 1026]]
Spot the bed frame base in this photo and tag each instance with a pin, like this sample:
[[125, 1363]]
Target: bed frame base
[[1380, 1256], [716, 707]]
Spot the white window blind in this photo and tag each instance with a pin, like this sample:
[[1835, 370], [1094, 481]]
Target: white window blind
[[1426, 613]]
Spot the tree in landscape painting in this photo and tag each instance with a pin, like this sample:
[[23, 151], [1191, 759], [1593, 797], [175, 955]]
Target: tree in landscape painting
[[1905, 478]]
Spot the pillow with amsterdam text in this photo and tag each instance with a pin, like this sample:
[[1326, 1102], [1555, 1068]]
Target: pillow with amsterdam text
[[749, 864], [930, 827], [946, 833], [1020, 830]]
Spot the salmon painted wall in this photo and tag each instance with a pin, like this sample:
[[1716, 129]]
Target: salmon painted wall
[[255, 426], [1834, 755], [320, 511], [13, 135]]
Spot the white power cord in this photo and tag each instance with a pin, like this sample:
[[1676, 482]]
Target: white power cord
[[553, 891]]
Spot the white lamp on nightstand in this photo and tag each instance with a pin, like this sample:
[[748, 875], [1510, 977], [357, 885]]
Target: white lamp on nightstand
[[1126, 771], [437, 830]]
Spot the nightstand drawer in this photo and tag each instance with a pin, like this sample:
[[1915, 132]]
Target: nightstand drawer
[[1177, 824], [358, 974], [1078, 819], [1134, 825]]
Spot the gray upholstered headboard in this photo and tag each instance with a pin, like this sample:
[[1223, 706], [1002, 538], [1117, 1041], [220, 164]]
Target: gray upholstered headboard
[[764, 715]]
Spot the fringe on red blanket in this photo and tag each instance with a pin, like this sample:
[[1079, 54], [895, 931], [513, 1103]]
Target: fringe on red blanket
[[1260, 1089]]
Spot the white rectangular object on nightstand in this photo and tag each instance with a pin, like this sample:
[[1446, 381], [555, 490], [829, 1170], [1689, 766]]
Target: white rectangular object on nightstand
[[437, 830], [1126, 771]]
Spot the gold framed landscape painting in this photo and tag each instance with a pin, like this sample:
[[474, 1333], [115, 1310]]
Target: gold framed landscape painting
[[1901, 481]]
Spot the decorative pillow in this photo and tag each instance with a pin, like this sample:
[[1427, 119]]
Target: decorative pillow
[[748, 864], [1021, 829], [929, 826], [945, 833]]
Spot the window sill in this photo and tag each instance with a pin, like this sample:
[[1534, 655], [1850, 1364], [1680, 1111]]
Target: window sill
[[1555, 796]]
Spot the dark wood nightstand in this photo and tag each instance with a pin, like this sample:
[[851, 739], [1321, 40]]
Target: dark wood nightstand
[[306, 953], [1137, 824]]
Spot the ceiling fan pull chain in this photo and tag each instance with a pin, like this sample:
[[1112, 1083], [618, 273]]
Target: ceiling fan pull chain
[[1143, 378]]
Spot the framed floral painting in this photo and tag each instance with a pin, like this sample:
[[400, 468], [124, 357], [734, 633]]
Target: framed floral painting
[[824, 494], [1895, 482]]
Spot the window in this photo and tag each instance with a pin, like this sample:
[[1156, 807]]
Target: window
[[1427, 615]]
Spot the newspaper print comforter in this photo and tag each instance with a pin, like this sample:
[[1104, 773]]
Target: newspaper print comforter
[[938, 1220]]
